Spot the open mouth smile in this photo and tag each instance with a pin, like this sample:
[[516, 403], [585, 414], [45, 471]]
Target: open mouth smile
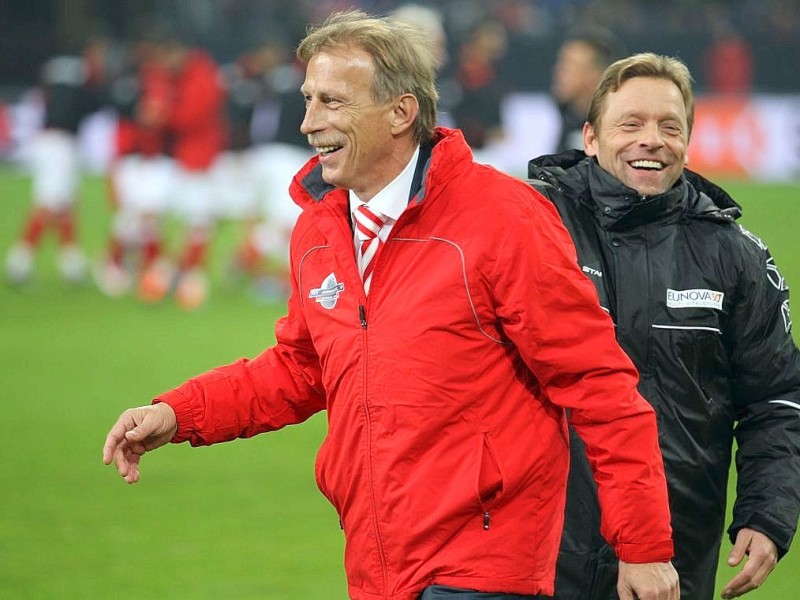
[[326, 150], [647, 165]]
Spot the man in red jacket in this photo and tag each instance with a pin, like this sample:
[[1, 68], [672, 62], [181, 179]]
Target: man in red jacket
[[446, 335]]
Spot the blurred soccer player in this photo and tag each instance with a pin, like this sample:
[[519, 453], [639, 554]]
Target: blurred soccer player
[[194, 125], [140, 175], [241, 178], [71, 86], [276, 160]]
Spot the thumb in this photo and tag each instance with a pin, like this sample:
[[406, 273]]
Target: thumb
[[144, 424], [137, 434], [134, 435], [739, 549]]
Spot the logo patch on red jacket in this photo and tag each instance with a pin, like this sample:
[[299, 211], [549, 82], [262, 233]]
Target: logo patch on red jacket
[[328, 293]]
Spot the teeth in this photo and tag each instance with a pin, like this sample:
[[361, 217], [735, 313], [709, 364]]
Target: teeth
[[647, 164], [326, 149]]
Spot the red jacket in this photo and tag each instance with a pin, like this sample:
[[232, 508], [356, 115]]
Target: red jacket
[[447, 450], [195, 123], [154, 99]]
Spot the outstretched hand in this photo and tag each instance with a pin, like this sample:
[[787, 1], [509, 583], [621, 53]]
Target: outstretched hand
[[648, 581], [138, 430], [762, 556]]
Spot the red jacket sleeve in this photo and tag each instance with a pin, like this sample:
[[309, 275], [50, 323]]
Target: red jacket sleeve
[[282, 386], [551, 312]]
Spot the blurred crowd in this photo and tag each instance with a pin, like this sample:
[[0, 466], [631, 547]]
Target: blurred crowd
[[534, 18], [207, 116], [532, 27]]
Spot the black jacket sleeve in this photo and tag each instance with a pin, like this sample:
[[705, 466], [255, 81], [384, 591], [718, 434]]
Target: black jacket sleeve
[[766, 368]]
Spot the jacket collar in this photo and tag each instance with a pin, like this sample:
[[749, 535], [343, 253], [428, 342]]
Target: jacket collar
[[443, 158], [618, 207]]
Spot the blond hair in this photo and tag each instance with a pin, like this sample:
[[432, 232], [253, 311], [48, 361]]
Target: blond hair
[[646, 64], [404, 62]]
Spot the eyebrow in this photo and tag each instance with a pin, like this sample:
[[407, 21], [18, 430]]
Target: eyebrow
[[638, 114]]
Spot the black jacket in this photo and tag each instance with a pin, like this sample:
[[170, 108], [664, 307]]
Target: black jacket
[[703, 311]]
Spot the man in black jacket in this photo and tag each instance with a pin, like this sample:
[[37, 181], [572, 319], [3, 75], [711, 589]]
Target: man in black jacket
[[703, 311]]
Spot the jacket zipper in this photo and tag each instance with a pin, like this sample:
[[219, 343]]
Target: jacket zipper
[[362, 315]]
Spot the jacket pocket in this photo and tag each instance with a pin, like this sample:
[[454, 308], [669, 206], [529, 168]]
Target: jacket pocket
[[319, 474], [691, 375], [490, 480]]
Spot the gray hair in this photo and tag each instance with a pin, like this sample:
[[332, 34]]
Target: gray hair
[[404, 62]]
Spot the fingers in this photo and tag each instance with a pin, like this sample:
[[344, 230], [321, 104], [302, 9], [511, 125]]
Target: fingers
[[127, 441], [138, 430], [648, 581], [126, 460], [116, 436], [739, 549], [762, 556], [752, 576], [127, 463], [744, 582]]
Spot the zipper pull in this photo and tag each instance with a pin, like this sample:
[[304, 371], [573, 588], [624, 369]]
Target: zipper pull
[[362, 315], [486, 520]]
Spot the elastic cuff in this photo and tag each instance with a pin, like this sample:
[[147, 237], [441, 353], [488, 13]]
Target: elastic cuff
[[646, 553], [183, 413]]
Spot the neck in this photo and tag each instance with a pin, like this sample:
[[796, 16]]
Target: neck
[[395, 163]]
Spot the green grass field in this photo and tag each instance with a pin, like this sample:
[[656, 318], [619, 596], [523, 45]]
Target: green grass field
[[240, 520]]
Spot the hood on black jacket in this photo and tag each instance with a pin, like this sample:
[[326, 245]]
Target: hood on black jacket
[[712, 200]]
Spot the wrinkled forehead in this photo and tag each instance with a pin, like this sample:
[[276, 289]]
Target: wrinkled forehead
[[339, 68]]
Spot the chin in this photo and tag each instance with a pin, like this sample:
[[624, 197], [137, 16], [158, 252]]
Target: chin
[[329, 177], [648, 189]]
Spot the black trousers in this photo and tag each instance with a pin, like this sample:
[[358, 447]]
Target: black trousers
[[441, 592]]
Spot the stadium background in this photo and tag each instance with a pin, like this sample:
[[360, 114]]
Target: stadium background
[[753, 133], [244, 519]]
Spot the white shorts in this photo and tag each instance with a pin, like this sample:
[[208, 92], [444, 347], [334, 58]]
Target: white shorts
[[235, 185], [276, 165], [144, 184], [193, 201], [55, 168]]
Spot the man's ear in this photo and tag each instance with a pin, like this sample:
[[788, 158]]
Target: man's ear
[[404, 113], [589, 140]]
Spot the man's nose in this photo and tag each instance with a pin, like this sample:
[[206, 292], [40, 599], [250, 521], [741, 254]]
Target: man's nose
[[652, 135], [311, 119]]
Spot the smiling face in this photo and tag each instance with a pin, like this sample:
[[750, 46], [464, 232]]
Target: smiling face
[[361, 143], [641, 135]]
